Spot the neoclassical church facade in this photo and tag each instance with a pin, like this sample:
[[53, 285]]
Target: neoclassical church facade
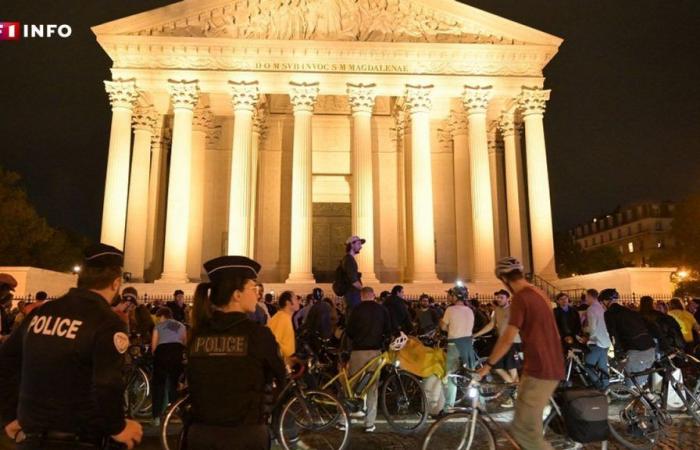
[[278, 128]]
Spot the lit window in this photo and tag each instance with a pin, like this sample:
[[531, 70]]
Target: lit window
[[658, 245], [630, 247]]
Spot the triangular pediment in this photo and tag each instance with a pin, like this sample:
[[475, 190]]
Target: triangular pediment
[[440, 21]]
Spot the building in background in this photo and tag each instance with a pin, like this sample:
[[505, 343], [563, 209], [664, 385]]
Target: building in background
[[637, 231]]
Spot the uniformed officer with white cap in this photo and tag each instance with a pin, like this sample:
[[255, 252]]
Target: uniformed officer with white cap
[[61, 381], [230, 360]]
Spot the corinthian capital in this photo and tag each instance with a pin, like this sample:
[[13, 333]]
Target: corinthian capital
[[144, 118], [533, 100], [506, 124], [476, 99], [202, 119], [418, 98], [361, 97], [244, 95], [184, 94], [303, 96], [122, 93]]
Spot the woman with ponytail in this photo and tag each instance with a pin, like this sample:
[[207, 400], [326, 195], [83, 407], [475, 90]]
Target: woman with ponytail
[[230, 360]]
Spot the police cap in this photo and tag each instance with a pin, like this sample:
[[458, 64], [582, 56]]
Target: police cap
[[224, 267], [103, 255]]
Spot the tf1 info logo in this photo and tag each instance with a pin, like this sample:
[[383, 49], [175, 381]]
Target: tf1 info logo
[[13, 31]]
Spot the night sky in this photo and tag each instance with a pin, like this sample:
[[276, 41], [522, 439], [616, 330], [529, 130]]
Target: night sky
[[622, 124]]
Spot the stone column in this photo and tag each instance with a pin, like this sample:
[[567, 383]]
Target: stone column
[[515, 188], [532, 103], [201, 123], [418, 104], [463, 219], [476, 100], [400, 122], [303, 97], [156, 200], [361, 99], [498, 193], [122, 96], [144, 121], [244, 96], [184, 96], [259, 117]]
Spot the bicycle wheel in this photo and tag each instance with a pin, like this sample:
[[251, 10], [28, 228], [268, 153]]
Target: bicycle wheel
[[172, 429], [618, 391], [691, 401], [455, 432], [404, 403], [137, 391], [316, 420], [634, 423]]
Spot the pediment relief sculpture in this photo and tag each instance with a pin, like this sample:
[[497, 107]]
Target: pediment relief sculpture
[[336, 20]]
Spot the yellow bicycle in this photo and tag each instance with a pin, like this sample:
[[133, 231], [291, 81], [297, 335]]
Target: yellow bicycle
[[401, 398]]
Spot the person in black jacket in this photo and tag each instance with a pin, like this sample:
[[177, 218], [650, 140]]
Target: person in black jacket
[[663, 328], [369, 327], [398, 311], [61, 383], [629, 334], [230, 360], [568, 320]]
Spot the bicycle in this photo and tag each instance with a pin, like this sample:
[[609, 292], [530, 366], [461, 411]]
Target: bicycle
[[644, 417], [315, 418], [402, 399], [590, 378], [137, 376]]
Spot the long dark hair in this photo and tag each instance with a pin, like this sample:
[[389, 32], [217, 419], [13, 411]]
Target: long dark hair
[[209, 295]]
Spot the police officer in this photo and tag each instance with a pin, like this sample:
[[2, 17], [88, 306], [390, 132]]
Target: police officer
[[61, 371], [230, 360]]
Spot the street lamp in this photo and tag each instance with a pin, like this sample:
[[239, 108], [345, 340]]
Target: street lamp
[[76, 269]]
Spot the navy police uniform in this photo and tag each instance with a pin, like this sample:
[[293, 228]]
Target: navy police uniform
[[230, 361], [61, 370]]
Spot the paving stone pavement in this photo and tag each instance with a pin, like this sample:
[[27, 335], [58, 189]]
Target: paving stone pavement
[[684, 434]]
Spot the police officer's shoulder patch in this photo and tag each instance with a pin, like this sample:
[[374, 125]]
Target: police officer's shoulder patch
[[121, 342]]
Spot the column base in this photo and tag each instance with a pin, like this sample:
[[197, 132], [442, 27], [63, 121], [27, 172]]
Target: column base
[[425, 278], [300, 278], [173, 277], [369, 279]]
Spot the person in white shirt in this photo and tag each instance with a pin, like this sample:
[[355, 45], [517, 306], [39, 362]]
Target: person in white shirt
[[458, 321], [598, 338]]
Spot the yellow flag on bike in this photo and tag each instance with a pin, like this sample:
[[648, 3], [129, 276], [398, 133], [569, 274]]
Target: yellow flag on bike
[[420, 360]]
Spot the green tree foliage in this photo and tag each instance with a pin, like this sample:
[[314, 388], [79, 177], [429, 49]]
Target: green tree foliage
[[572, 259], [26, 239]]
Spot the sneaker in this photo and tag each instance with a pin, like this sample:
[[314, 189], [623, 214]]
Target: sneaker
[[370, 429], [357, 414], [156, 422], [508, 403]]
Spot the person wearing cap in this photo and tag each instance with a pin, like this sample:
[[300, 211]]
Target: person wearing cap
[[506, 367], [7, 286], [78, 343], [629, 334], [458, 321], [531, 317], [231, 359], [353, 277]]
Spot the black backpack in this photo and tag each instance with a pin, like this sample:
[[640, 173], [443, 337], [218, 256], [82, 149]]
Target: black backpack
[[585, 413], [340, 285]]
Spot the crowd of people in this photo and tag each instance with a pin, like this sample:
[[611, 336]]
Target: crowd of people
[[238, 339]]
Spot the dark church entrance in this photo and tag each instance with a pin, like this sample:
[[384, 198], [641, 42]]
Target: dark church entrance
[[332, 224]]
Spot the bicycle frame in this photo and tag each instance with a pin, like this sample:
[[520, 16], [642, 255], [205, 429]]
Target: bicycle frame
[[348, 382]]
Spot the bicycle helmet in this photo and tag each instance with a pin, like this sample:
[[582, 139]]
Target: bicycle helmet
[[399, 343], [317, 294], [608, 294], [459, 292], [507, 265]]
